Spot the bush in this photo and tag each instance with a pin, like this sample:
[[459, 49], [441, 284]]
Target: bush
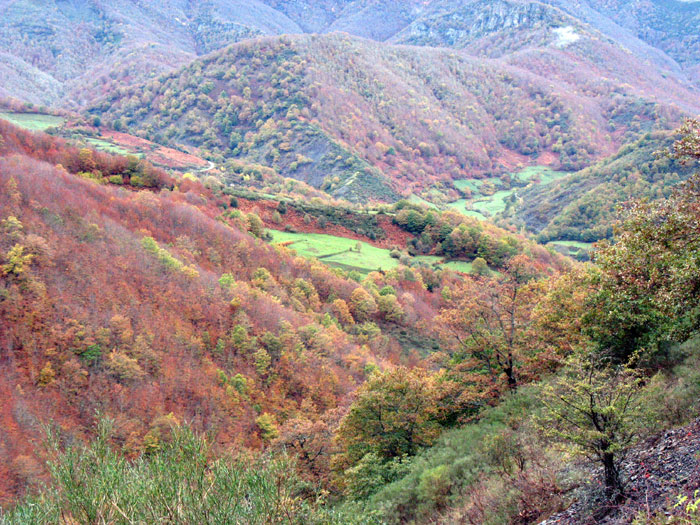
[[94, 484]]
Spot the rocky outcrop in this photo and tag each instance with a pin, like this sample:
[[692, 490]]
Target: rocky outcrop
[[460, 25], [657, 472]]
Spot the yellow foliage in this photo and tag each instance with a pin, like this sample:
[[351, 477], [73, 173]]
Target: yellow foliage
[[47, 375]]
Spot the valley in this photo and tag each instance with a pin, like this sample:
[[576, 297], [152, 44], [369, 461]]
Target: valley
[[351, 262]]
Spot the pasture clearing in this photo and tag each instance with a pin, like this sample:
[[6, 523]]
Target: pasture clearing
[[33, 121], [341, 252]]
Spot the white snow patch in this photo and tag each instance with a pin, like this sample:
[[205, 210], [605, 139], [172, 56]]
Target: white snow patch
[[565, 36]]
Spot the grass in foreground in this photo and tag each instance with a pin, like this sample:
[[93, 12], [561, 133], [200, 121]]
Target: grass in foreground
[[181, 482]]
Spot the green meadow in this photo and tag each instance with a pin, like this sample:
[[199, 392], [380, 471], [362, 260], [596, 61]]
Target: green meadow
[[574, 244], [483, 206], [107, 146], [341, 252], [33, 121]]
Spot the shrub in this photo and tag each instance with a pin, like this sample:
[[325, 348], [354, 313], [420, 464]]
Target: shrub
[[93, 483]]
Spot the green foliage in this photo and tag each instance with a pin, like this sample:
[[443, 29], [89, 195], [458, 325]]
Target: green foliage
[[394, 416], [17, 261], [458, 462], [92, 354], [226, 281], [262, 361], [268, 427], [670, 396], [454, 236], [166, 259], [183, 481], [596, 410], [390, 309], [124, 367], [371, 473], [255, 225], [582, 206], [240, 339], [650, 277], [33, 121], [480, 268], [12, 226]]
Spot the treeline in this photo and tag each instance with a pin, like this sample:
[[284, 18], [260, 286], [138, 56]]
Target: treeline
[[458, 237], [104, 167]]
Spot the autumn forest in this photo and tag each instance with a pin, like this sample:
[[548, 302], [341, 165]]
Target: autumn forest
[[349, 262]]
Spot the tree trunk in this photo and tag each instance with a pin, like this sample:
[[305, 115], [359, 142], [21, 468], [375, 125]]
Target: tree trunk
[[512, 381], [613, 483]]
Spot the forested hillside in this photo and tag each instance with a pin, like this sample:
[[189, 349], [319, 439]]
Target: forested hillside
[[140, 318], [361, 120], [132, 294], [582, 206], [353, 262]]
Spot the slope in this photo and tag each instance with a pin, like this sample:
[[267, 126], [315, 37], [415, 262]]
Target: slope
[[69, 52], [582, 206], [149, 300], [81, 46], [144, 306], [365, 120]]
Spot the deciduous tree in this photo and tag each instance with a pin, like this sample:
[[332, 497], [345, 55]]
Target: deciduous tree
[[491, 320]]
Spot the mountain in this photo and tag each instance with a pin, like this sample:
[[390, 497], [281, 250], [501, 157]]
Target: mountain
[[83, 44], [67, 52], [365, 120], [443, 91], [285, 260], [668, 25]]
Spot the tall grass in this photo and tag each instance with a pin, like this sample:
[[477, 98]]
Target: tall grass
[[182, 483]]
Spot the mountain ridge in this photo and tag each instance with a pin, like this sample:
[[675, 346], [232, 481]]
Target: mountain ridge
[[82, 39]]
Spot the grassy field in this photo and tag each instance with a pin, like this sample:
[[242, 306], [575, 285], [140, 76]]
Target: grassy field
[[483, 206], [575, 249], [471, 184], [546, 174], [42, 122], [458, 266], [337, 251], [462, 206], [415, 199], [342, 253], [33, 121], [574, 244], [493, 204], [104, 145]]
